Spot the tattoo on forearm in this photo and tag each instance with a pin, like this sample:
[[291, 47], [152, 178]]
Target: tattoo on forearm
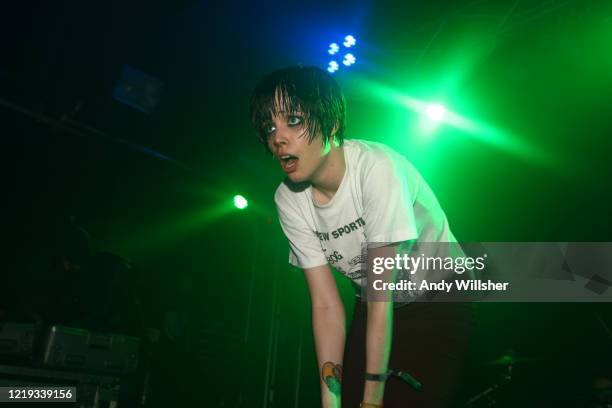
[[332, 376]]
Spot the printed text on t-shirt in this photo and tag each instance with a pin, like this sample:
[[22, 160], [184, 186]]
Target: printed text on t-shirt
[[346, 229]]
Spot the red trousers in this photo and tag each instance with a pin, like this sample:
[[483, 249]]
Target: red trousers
[[430, 341]]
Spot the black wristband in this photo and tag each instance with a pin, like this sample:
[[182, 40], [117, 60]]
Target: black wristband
[[376, 377]]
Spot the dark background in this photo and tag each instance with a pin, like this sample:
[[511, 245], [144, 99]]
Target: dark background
[[156, 187]]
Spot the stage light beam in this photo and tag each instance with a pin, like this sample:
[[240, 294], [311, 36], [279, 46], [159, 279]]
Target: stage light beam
[[435, 112], [240, 202]]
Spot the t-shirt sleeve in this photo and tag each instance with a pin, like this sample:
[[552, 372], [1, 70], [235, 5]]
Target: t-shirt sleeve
[[304, 248], [388, 204]]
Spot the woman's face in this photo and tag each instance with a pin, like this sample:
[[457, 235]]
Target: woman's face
[[289, 143]]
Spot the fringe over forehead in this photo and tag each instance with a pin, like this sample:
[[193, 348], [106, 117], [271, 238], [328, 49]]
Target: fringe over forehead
[[308, 90]]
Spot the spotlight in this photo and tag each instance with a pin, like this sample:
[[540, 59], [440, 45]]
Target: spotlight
[[349, 59], [332, 66], [240, 202], [435, 112], [333, 48], [349, 41]]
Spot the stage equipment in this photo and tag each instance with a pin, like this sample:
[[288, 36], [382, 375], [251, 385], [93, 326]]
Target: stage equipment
[[83, 350], [138, 90], [348, 59], [17, 341]]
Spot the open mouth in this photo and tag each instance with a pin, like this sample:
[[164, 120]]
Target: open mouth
[[288, 162]]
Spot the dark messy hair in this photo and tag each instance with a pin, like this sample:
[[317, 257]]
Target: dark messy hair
[[309, 90]]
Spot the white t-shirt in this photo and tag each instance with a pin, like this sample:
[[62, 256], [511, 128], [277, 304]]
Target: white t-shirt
[[382, 198]]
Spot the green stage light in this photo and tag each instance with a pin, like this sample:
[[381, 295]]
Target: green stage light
[[432, 117], [435, 112], [240, 202]]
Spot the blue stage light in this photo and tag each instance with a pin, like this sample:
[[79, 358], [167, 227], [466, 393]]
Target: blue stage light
[[349, 59], [332, 66], [333, 48], [349, 41]]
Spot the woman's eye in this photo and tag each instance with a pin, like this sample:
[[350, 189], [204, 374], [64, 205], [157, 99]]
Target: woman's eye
[[269, 129], [294, 120]]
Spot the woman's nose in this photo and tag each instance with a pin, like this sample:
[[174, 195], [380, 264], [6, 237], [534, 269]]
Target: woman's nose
[[279, 138]]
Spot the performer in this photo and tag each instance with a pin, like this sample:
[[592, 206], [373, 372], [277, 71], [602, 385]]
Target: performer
[[337, 195]]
